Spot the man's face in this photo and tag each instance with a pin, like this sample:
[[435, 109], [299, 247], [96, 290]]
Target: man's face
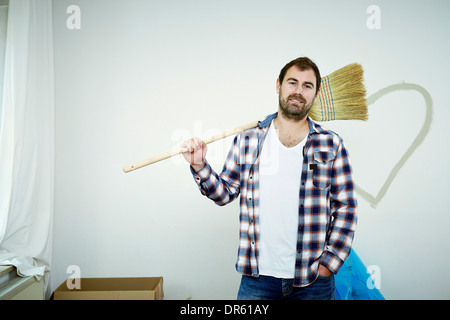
[[297, 93]]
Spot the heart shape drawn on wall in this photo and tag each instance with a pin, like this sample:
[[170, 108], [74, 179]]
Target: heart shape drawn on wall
[[374, 200]]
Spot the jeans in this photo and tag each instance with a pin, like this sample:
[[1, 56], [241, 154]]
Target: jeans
[[270, 288]]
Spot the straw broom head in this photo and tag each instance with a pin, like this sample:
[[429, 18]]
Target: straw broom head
[[342, 96]]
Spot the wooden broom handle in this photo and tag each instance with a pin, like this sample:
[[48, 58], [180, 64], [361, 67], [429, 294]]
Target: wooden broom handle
[[169, 154]]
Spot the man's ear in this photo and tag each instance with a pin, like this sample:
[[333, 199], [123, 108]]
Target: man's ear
[[278, 86]]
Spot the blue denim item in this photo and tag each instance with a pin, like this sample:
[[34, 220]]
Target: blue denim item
[[270, 288]]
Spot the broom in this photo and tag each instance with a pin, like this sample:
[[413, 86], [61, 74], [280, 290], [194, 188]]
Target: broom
[[342, 96]]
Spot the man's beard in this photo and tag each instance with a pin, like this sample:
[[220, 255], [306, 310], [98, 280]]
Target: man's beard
[[294, 112]]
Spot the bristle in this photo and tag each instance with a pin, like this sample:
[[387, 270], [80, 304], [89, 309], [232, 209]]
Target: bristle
[[342, 96]]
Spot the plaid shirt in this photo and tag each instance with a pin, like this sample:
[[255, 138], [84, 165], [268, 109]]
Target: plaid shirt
[[327, 203]]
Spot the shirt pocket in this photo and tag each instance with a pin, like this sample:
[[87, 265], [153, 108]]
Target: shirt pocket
[[322, 170]]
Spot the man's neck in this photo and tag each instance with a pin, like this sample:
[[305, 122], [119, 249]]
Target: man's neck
[[290, 132]]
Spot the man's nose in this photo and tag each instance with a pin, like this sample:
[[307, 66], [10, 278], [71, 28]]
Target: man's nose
[[299, 90]]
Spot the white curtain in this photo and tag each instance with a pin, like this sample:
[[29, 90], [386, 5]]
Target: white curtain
[[26, 139], [3, 25]]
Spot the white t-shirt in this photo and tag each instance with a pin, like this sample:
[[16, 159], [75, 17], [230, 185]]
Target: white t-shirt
[[279, 184]]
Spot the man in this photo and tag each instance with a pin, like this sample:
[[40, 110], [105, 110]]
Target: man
[[297, 200]]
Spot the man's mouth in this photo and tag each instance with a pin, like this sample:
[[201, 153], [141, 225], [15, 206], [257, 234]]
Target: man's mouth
[[297, 99]]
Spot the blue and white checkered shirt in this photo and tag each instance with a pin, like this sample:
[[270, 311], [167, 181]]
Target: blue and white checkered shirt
[[327, 203]]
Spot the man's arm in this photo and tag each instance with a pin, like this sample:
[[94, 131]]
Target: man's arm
[[223, 188], [343, 211]]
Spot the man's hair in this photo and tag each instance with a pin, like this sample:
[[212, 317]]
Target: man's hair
[[303, 63]]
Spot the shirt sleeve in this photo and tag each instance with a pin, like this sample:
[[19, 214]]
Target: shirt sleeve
[[223, 188], [343, 212]]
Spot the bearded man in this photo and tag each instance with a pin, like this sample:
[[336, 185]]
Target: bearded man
[[297, 195]]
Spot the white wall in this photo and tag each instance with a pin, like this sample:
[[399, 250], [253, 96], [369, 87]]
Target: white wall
[[139, 77]]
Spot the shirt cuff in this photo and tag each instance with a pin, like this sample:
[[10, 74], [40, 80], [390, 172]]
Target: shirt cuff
[[202, 174], [331, 262]]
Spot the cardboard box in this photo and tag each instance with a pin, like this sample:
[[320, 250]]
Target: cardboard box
[[113, 289]]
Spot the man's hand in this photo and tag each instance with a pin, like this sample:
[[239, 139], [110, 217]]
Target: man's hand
[[196, 153], [323, 271]]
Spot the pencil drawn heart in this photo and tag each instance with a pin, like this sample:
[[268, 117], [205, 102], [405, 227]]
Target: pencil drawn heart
[[375, 199]]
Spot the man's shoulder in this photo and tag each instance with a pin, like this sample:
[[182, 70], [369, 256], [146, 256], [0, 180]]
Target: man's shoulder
[[317, 128], [325, 137]]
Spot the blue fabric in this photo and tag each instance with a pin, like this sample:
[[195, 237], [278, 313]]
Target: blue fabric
[[351, 281]]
